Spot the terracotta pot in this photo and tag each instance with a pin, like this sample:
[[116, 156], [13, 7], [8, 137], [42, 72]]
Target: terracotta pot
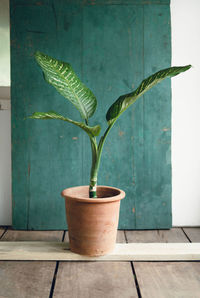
[[92, 223]]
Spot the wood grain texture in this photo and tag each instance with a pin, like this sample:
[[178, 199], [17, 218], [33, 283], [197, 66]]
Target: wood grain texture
[[95, 280], [59, 251], [168, 280], [12, 235], [128, 42], [153, 236], [165, 279], [27, 279], [193, 234]]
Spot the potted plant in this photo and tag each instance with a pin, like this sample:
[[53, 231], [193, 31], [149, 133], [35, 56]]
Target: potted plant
[[92, 211]]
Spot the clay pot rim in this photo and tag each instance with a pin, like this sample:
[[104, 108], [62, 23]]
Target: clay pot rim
[[68, 194]]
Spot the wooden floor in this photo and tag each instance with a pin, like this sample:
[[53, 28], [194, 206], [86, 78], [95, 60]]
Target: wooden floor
[[41, 279]]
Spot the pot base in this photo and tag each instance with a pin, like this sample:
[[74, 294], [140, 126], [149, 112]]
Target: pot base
[[94, 253]]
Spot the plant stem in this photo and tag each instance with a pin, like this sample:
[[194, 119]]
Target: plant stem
[[96, 157], [94, 168]]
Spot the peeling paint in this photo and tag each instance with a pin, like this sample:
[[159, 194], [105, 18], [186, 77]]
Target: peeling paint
[[121, 133], [39, 3], [165, 129]]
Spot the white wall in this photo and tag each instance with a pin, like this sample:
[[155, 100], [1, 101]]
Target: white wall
[[185, 115], [5, 169], [5, 128], [4, 43]]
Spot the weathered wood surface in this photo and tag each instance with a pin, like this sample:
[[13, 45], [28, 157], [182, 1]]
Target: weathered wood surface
[[168, 280], [101, 279], [121, 237], [27, 279], [13, 235], [152, 236], [56, 251], [95, 279], [152, 128], [193, 234], [127, 43], [165, 279], [2, 230]]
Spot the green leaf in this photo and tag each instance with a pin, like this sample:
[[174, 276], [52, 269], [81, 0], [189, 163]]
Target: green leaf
[[61, 75], [124, 101], [91, 131]]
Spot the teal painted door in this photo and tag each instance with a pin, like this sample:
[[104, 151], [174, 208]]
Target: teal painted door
[[112, 45]]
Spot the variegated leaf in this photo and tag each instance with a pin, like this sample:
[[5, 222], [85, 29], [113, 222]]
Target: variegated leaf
[[61, 75], [124, 101], [91, 131]]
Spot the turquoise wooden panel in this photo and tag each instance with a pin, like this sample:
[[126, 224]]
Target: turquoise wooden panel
[[116, 70], [46, 155], [112, 45], [153, 137]]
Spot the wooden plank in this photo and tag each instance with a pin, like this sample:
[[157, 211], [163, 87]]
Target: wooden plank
[[152, 126], [193, 234], [121, 237], [168, 280], [92, 279], [15, 235], [57, 251], [160, 279], [153, 236], [2, 230], [47, 26], [27, 279]]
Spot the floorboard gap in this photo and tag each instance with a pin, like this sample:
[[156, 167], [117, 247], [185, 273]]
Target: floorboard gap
[[54, 280], [63, 237], [136, 281], [55, 272], [4, 232], [134, 273], [186, 235]]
